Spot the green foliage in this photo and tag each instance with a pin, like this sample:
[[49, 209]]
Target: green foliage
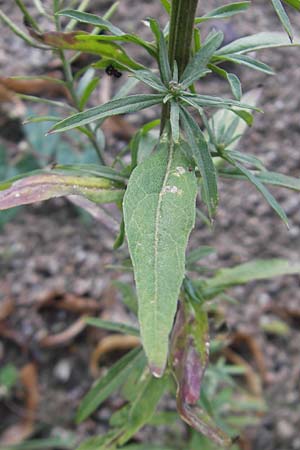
[[157, 177]]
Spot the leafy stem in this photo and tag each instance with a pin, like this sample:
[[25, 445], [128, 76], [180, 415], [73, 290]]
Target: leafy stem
[[180, 40]]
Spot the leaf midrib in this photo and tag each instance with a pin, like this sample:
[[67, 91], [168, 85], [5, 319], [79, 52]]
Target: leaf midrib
[[157, 226]]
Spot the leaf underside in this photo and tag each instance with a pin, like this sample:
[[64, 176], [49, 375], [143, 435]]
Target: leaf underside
[[159, 213]]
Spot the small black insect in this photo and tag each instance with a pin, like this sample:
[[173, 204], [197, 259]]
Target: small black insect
[[112, 71]]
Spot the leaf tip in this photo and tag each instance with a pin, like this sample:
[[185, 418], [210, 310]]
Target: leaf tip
[[156, 371]]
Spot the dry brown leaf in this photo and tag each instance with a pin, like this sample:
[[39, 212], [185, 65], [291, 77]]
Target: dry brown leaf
[[65, 337], [35, 86], [116, 342], [7, 306], [251, 376], [118, 127], [11, 334], [255, 350], [21, 431], [67, 301]]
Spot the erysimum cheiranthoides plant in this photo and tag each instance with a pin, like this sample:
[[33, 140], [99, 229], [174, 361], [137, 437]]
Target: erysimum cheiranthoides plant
[[157, 190]]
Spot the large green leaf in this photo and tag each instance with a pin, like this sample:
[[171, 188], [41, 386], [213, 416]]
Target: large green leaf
[[159, 213], [42, 185], [114, 107]]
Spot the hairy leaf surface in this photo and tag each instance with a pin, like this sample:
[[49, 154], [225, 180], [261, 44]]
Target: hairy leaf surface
[[159, 213]]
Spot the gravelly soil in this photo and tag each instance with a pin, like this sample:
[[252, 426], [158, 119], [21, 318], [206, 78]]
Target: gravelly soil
[[48, 247]]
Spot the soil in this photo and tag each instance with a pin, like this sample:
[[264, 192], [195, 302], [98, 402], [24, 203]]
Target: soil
[[50, 249]]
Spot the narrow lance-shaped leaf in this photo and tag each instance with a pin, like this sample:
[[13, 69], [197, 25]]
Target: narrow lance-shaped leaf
[[163, 59], [273, 178], [263, 190], [195, 69], [255, 42], [91, 19], [203, 159], [232, 79], [107, 384], [159, 213], [143, 407], [48, 184], [247, 61], [253, 270], [224, 11], [283, 17], [114, 107]]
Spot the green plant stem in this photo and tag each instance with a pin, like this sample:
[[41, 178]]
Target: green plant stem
[[70, 85], [183, 14]]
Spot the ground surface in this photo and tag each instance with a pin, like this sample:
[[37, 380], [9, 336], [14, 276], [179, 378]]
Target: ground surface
[[48, 248]]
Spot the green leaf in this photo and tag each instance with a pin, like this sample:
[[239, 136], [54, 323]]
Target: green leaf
[[197, 100], [159, 213], [293, 3], [232, 79], [224, 11], [247, 61], [198, 65], [163, 58], [92, 170], [167, 5], [107, 384], [112, 326], [91, 86], [255, 42], [246, 159], [42, 185], [273, 178], [148, 395], [149, 78], [128, 295], [104, 24], [254, 270], [203, 159], [91, 19], [227, 127], [264, 191], [198, 254], [8, 377], [283, 17], [121, 105]]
